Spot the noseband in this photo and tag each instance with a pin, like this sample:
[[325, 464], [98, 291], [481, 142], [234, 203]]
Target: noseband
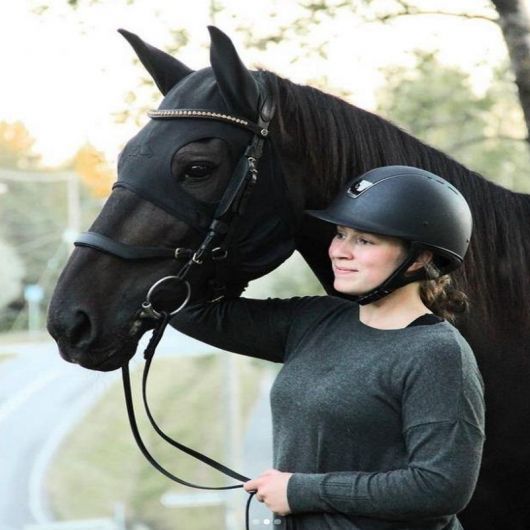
[[215, 246]]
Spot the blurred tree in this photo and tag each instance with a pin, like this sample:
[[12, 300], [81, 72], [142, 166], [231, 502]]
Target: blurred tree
[[16, 151], [16, 146], [94, 170], [437, 104], [513, 19], [34, 211], [32, 217]]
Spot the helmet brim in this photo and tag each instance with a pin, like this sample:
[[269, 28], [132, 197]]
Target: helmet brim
[[338, 218]]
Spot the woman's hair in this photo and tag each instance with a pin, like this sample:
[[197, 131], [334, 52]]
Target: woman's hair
[[441, 296]]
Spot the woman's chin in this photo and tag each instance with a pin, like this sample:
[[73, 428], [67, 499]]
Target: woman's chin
[[343, 287]]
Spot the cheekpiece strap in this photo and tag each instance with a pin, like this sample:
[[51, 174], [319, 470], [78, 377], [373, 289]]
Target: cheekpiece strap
[[202, 114]]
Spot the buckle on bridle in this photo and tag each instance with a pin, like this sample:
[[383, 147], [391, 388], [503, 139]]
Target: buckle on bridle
[[183, 253], [219, 254], [197, 257]]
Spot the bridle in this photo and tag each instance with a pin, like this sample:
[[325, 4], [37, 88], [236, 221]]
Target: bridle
[[215, 246]]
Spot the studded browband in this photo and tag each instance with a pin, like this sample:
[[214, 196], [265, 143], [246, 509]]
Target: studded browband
[[169, 114]]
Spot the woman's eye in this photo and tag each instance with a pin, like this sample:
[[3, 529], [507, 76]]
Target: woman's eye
[[197, 171], [363, 241]]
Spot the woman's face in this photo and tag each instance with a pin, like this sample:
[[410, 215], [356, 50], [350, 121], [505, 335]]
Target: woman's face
[[362, 261]]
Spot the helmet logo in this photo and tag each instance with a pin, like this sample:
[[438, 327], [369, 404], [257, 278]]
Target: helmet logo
[[358, 187]]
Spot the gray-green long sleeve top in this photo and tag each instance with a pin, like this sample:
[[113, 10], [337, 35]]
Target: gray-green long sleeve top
[[383, 429]]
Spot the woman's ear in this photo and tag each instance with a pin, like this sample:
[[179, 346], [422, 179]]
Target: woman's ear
[[423, 259]]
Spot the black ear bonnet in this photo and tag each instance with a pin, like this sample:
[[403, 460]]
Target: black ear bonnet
[[145, 164], [264, 237]]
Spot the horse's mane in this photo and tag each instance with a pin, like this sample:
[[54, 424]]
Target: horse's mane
[[338, 141]]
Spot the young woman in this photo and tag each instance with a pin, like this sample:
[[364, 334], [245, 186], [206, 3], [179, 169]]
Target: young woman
[[378, 411]]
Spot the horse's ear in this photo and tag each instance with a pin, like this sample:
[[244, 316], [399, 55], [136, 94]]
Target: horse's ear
[[236, 83], [165, 70]]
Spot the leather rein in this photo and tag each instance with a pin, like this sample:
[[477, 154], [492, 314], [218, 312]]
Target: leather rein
[[215, 246]]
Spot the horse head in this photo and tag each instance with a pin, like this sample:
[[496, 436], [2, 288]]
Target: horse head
[[187, 166]]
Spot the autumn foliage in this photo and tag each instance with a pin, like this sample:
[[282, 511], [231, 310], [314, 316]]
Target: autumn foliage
[[94, 170]]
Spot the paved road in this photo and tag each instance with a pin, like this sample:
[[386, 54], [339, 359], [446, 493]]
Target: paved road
[[37, 392], [42, 398]]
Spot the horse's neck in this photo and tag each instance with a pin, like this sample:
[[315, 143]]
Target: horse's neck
[[313, 236], [312, 183]]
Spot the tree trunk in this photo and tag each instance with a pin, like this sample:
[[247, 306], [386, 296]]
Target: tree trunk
[[514, 21]]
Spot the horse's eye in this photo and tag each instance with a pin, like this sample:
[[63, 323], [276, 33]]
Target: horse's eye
[[197, 171]]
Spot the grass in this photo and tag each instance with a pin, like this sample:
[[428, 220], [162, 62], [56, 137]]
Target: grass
[[100, 466]]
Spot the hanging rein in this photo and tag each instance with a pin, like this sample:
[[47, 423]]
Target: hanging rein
[[215, 246]]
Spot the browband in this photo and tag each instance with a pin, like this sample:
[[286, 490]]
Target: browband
[[170, 114]]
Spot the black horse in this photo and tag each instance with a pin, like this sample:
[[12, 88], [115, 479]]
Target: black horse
[[172, 175]]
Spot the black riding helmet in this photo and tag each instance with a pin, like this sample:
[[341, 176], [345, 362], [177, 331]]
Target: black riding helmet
[[409, 203]]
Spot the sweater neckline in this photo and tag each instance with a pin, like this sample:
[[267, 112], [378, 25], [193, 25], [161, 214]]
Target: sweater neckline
[[407, 328]]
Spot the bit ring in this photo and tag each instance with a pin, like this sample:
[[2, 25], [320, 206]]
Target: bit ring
[[147, 306]]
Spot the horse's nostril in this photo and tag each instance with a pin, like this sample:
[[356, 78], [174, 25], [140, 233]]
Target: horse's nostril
[[80, 332]]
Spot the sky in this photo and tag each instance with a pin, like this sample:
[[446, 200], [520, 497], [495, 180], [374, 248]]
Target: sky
[[66, 73]]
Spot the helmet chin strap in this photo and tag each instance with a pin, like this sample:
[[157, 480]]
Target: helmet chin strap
[[396, 280]]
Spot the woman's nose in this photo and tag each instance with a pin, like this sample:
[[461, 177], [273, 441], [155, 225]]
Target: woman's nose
[[339, 248]]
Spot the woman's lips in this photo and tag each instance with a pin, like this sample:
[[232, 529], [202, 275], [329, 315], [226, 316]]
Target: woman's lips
[[340, 271]]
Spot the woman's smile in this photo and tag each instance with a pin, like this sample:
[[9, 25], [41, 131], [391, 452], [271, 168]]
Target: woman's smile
[[339, 271]]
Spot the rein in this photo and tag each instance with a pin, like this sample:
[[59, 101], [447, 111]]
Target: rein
[[215, 246]]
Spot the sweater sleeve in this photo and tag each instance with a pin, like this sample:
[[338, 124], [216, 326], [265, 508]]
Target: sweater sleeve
[[443, 420], [439, 480], [256, 328]]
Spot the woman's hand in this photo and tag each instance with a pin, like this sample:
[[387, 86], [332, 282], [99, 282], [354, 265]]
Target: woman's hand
[[271, 489]]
